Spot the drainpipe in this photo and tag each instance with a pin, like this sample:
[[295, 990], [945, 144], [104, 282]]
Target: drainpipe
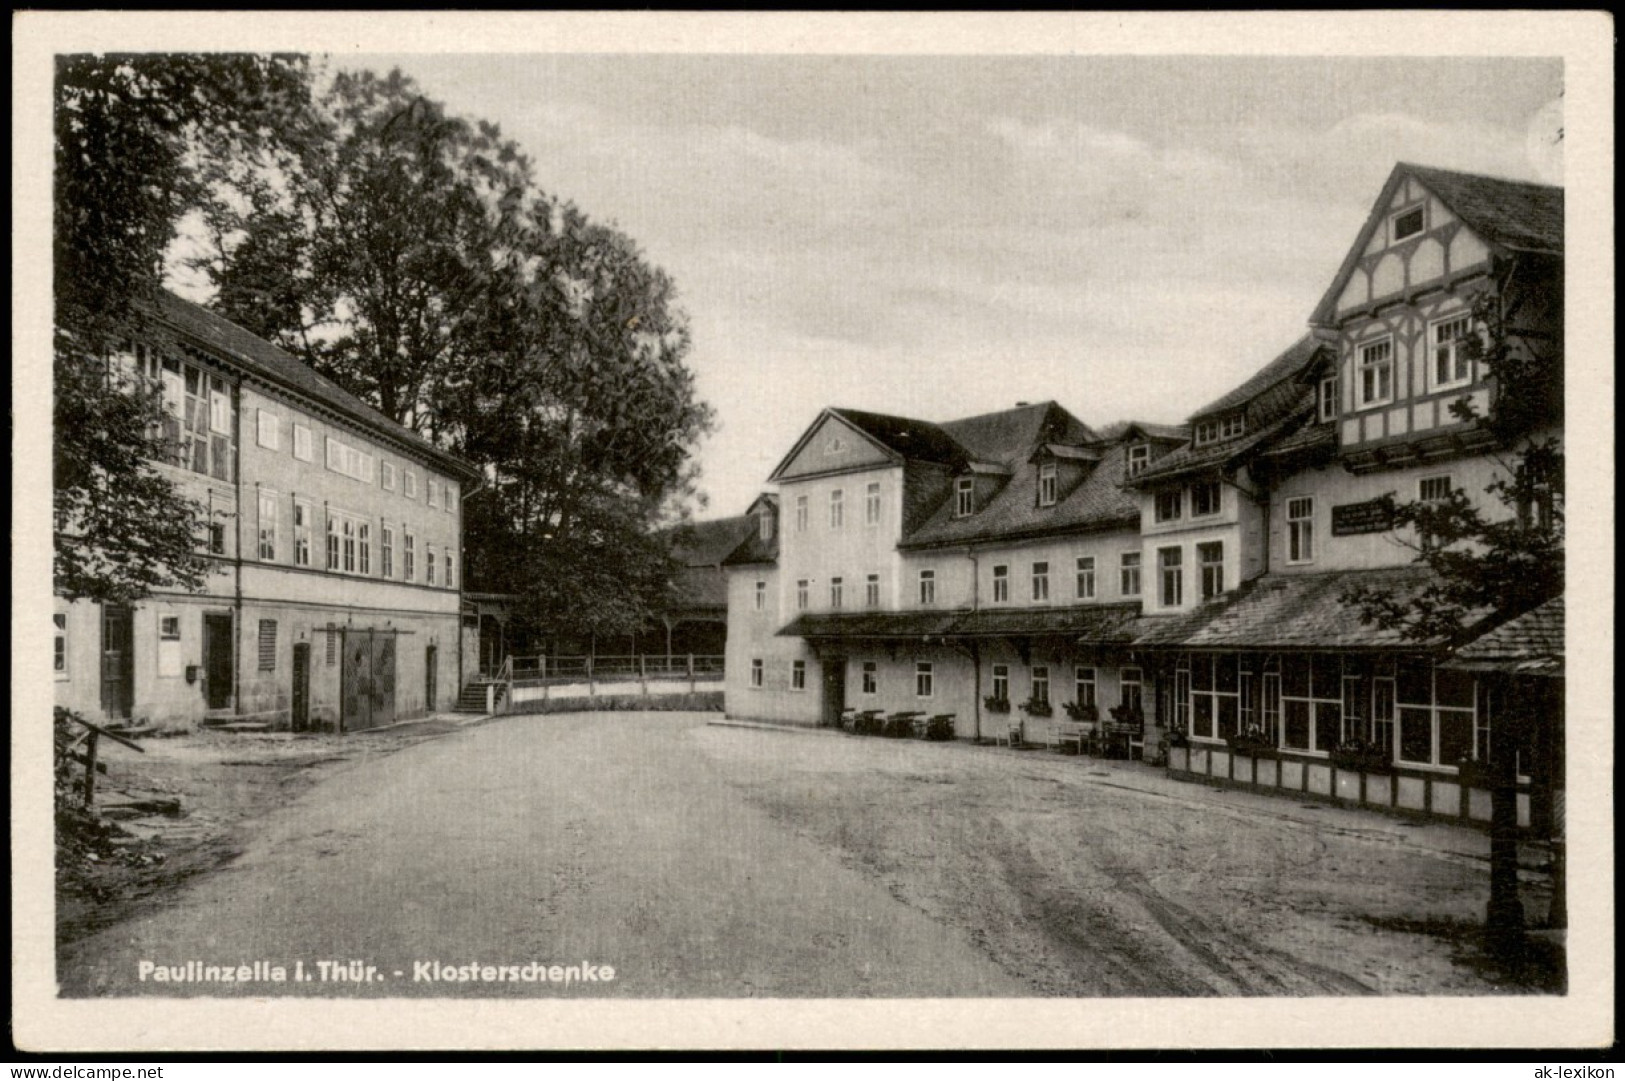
[[237, 628], [975, 647]]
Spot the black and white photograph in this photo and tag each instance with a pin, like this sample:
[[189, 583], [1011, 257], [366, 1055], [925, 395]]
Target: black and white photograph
[[1039, 530]]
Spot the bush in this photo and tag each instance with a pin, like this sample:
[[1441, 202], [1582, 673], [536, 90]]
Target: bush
[[996, 705], [940, 727]]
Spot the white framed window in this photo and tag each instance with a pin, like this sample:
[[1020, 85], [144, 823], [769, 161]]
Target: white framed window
[[1083, 686], [761, 596], [301, 443], [1311, 701], [169, 628], [428, 564], [836, 588], [217, 538], [302, 515], [1128, 571], [59, 645], [871, 590], [1041, 580], [1086, 578], [1047, 484], [1327, 400], [964, 497], [871, 503], [1001, 584], [798, 675], [871, 678], [1214, 693], [923, 679], [801, 594], [1170, 504], [837, 509], [756, 672], [928, 588], [1374, 373], [267, 643], [1040, 683], [1435, 489], [1170, 567], [267, 529], [386, 475], [1300, 530], [267, 429], [349, 461], [1206, 499], [450, 560], [409, 556], [1130, 689], [1383, 702], [1001, 682], [1438, 715], [1139, 456], [764, 524], [347, 531], [1210, 558], [801, 514], [386, 550], [219, 407], [363, 536], [448, 500], [333, 546], [1212, 431], [1408, 222], [434, 493], [409, 484], [1449, 364]]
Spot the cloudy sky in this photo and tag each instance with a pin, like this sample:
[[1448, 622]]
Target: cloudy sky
[[944, 236]]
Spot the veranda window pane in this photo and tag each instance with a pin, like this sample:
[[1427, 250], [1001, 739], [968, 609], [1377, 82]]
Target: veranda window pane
[[1453, 688], [1416, 735], [1224, 669], [1227, 716], [1455, 736], [1328, 675], [1415, 683], [1297, 724], [1202, 672], [1328, 725], [1202, 724], [1295, 676]]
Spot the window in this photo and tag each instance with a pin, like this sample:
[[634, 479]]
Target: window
[[801, 514], [928, 588], [348, 461], [1206, 431], [1375, 373], [1001, 682], [837, 510], [386, 551], [1205, 499], [410, 556], [871, 591], [386, 475], [1130, 690], [1169, 562], [219, 407], [1300, 530], [922, 679], [1086, 578], [450, 560], [1040, 683], [964, 497], [761, 595], [409, 484], [267, 501], [1311, 701], [448, 499], [871, 504], [1046, 484], [798, 675], [1328, 399], [428, 564], [197, 420], [59, 645], [1001, 585], [1434, 489], [1210, 557], [301, 532], [801, 594], [756, 672], [364, 547], [1409, 222], [301, 443], [1041, 581], [1438, 715], [332, 541], [332, 645], [834, 592], [217, 538], [871, 680], [267, 645], [1129, 574], [764, 524], [1269, 699], [1139, 456], [1084, 686], [1215, 694], [347, 528], [1170, 504], [1211, 431], [434, 493], [1450, 365], [169, 646], [266, 429], [1382, 713]]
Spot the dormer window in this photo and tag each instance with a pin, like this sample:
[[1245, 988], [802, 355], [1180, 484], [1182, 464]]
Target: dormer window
[[1327, 401], [1046, 484], [1409, 222], [964, 497], [1212, 431], [764, 526], [1139, 456]]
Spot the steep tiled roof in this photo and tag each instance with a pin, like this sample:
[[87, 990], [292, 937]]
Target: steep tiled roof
[[1278, 373], [700, 587], [1192, 459], [753, 549], [1512, 213], [706, 544], [1095, 624], [1288, 612], [1531, 644], [918, 440], [1311, 436], [1013, 433], [1166, 433], [869, 625], [259, 357]]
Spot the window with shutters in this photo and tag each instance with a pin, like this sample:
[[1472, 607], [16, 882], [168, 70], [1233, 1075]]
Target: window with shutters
[[267, 645], [267, 428], [386, 475]]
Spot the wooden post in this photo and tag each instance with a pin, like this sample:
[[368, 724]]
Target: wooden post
[[490, 698], [592, 691], [90, 767], [691, 673], [643, 677]]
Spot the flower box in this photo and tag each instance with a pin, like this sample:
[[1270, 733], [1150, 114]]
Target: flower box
[[1035, 708], [1084, 713], [996, 705]]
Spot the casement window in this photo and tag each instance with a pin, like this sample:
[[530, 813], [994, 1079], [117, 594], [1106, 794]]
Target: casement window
[[761, 595], [1139, 456], [756, 672], [1438, 715], [1374, 373], [1300, 530], [1001, 682], [1408, 222], [801, 514], [332, 541], [169, 646], [871, 678], [59, 645], [302, 449], [1327, 400], [1046, 484], [386, 475], [363, 532], [386, 551], [409, 484], [798, 675], [428, 564], [302, 513], [197, 420], [1449, 363], [267, 645], [964, 497], [434, 493], [267, 429], [217, 538], [1384, 698], [1212, 431], [267, 528], [409, 556], [451, 562], [347, 538], [1001, 584], [448, 499], [835, 590], [837, 509], [801, 594], [1311, 701], [871, 591], [928, 588], [1170, 567], [1040, 683], [1083, 686], [922, 679], [349, 461], [1170, 504], [871, 504], [1215, 693], [1129, 574], [1130, 689], [1205, 499], [1210, 558], [1269, 699], [220, 410], [1086, 578], [764, 524], [1041, 581]]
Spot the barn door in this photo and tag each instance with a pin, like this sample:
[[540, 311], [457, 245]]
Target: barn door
[[383, 677], [367, 681]]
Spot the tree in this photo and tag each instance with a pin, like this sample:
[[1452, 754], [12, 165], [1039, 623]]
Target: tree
[[131, 134]]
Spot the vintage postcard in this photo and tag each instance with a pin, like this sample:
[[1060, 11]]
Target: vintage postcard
[[634, 530]]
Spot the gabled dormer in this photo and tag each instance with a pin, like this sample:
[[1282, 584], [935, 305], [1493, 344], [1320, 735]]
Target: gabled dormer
[[977, 486], [1060, 469]]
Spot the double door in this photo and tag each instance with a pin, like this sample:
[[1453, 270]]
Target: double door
[[367, 679]]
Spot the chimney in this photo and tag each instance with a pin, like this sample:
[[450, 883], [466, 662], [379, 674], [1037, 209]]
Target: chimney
[[1022, 405]]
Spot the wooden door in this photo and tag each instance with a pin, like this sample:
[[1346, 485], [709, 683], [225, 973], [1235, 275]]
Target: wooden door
[[118, 665], [301, 686], [383, 677], [217, 667], [431, 661], [355, 681], [834, 690]]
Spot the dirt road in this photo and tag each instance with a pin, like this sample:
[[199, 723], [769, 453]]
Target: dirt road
[[712, 861]]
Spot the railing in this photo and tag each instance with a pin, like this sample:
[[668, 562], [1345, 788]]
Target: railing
[[530, 671]]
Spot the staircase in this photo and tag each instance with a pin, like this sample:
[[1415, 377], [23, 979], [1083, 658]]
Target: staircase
[[472, 700]]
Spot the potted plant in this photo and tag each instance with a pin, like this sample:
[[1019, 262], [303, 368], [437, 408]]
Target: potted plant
[[1129, 715], [1177, 737], [1080, 712], [1037, 707], [996, 705], [1252, 741], [1362, 755]]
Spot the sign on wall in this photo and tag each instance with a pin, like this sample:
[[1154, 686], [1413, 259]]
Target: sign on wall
[[1372, 516]]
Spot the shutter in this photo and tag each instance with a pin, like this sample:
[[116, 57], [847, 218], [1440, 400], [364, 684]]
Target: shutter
[[267, 645]]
